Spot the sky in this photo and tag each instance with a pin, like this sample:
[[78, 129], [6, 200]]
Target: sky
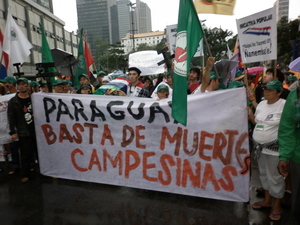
[[165, 12]]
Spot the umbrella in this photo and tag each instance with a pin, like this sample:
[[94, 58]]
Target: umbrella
[[257, 69], [295, 65], [63, 61], [224, 68]]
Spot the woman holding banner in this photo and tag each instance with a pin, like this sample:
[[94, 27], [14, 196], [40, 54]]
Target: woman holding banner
[[266, 120]]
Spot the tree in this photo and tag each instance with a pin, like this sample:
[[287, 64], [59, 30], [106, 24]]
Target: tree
[[217, 40], [287, 35], [101, 48]]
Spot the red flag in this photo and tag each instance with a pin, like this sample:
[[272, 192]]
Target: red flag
[[3, 58], [88, 59]]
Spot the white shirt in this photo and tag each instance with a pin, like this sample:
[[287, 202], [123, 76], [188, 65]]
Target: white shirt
[[267, 118]]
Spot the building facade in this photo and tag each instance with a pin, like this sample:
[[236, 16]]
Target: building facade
[[151, 39], [99, 19], [143, 17], [124, 17], [28, 14], [282, 9]]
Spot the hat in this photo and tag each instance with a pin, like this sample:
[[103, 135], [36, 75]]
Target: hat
[[23, 79], [235, 84], [34, 84], [68, 82], [9, 80], [58, 82], [105, 78], [86, 85], [274, 85], [83, 75], [42, 83], [239, 75], [135, 69], [100, 72], [291, 78], [160, 87], [148, 78]]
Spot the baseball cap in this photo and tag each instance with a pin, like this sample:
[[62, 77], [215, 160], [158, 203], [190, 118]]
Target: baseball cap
[[274, 85], [23, 79], [160, 87], [9, 80]]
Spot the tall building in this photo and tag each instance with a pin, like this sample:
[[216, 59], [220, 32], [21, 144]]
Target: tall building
[[124, 17], [143, 17], [98, 18], [282, 9]]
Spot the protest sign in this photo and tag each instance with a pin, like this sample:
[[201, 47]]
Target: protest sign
[[134, 142], [258, 36], [172, 34], [4, 127], [147, 61]]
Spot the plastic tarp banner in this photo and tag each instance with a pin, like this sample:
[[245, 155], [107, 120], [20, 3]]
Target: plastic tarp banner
[[134, 142]]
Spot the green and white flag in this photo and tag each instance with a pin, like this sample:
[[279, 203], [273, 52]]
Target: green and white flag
[[189, 34], [81, 65], [46, 53]]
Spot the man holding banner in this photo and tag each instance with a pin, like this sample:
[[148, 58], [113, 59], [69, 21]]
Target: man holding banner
[[21, 126]]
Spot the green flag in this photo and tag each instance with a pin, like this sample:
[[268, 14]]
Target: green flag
[[81, 65], [189, 34], [46, 53]]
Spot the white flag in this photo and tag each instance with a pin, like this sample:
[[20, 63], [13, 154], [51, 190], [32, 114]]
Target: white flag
[[229, 53], [15, 45]]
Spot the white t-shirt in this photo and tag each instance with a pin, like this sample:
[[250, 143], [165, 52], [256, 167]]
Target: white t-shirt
[[267, 118], [198, 90]]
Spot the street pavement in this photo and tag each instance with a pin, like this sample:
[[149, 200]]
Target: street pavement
[[53, 201]]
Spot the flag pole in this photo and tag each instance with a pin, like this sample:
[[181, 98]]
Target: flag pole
[[209, 51], [275, 69]]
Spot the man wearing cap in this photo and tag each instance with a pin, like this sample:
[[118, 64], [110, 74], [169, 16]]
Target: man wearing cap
[[35, 87], [21, 126], [58, 86], [44, 87], [147, 89], [162, 92], [259, 91], [100, 75], [290, 80], [135, 84], [84, 79], [10, 84]]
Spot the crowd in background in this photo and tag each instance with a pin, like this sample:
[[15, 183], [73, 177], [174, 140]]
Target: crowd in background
[[266, 101]]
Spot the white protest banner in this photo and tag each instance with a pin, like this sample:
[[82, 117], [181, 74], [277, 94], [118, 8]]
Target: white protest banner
[[258, 36], [172, 34], [147, 61], [134, 142], [4, 127]]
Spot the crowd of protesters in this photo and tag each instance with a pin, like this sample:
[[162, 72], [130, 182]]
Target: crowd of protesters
[[273, 108]]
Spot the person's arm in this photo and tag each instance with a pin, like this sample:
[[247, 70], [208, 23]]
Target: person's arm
[[250, 96], [286, 132], [251, 116], [12, 121], [206, 74]]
